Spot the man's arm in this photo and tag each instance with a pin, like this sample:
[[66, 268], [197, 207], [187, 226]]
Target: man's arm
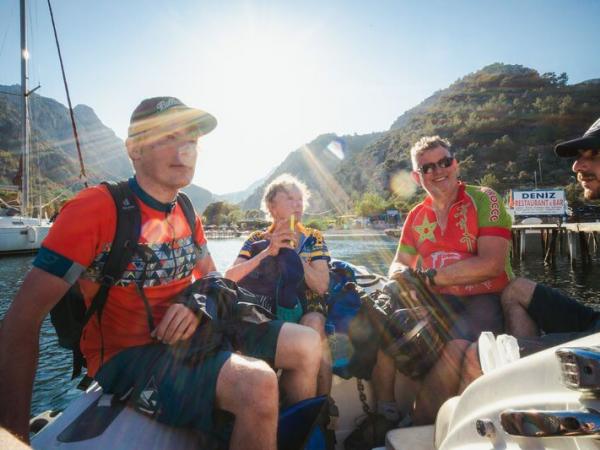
[[489, 262], [402, 261], [19, 346], [316, 275], [206, 265]]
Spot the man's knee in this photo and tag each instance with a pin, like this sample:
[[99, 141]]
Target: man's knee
[[309, 346], [315, 321], [247, 383], [298, 346], [518, 293]]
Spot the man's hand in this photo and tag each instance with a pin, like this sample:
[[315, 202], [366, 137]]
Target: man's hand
[[417, 283], [178, 324]]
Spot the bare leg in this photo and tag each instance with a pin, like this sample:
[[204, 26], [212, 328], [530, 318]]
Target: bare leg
[[247, 387], [8, 440], [383, 377], [299, 355], [471, 368], [316, 321], [515, 301], [440, 383]]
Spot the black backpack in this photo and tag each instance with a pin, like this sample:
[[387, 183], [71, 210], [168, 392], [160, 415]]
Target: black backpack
[[69, 316]]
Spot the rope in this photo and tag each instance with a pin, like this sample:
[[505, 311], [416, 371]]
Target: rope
[[82, 174]]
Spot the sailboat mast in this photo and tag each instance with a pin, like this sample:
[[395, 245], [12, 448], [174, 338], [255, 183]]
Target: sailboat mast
[[25, 111]]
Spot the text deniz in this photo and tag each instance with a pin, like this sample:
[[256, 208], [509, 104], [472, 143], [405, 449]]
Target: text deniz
[[538, 195]]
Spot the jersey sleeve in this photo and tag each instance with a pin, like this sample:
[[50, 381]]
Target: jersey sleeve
[[85, 225], [407, 244], [319, 248], [246, 250], [492, 216]]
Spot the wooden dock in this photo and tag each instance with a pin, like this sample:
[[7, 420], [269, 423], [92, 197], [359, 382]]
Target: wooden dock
[[222, 233], [580, 238]]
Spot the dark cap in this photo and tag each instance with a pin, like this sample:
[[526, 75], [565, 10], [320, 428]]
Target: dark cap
[[589, 141], [166, 111]]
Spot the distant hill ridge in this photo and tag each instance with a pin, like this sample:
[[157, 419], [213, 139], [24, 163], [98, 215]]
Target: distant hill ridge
[[57, 167], [502, 120]]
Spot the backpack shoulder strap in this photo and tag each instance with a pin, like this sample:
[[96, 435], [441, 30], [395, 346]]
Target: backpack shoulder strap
[[125, 241], [188, 211]]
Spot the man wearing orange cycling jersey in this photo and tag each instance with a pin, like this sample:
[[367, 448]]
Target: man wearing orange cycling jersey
[[163, 136]]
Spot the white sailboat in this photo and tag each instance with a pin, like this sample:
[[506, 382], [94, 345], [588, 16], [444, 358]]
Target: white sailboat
[[24, 228], [23, 232]]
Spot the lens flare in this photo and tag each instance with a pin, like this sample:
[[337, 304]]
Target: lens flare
[[402, 184], [337, 147]]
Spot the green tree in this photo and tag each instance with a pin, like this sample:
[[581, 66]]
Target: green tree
[[318, 223], [234, 216], [217, 213], [370, 204], [491, 180], [574, 194], [254, 214]]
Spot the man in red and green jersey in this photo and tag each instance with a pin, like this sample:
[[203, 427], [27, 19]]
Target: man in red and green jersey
[[133, 343], [477, 211], [458, 239]]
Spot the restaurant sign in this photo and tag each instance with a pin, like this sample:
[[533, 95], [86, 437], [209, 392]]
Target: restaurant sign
[[539, 202]]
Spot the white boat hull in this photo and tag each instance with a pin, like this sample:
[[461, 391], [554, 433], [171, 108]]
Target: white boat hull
[[22, 234], [129, 430], [530, 384], [143, 432]]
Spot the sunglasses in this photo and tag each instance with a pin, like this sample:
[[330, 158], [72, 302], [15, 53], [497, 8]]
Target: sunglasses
[[443, 163]]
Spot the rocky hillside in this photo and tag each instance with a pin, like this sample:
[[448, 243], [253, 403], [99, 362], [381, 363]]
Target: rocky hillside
[[316, 163], [55, 167], [502, 120], [55, 164]]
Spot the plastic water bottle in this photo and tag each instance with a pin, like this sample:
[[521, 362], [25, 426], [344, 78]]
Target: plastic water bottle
[[488, 352], [508, 348]]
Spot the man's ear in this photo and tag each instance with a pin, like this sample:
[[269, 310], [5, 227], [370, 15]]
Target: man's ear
[[416, 176], [133, 148]]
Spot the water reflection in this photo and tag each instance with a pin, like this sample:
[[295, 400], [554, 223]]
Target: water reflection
[[53, 388]]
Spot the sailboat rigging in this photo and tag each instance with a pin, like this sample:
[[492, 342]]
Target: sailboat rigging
[[24, 231]]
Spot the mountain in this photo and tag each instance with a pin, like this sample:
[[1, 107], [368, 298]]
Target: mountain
[[314, 164], [502, 120], [55, 166], [240, 196]]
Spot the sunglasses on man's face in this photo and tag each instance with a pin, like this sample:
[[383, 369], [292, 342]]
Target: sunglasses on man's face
[[443, 163]]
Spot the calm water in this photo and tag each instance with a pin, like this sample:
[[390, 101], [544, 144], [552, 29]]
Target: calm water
[[53, 388]]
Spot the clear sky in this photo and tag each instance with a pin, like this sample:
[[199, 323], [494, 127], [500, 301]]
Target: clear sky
[[276, 74]]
